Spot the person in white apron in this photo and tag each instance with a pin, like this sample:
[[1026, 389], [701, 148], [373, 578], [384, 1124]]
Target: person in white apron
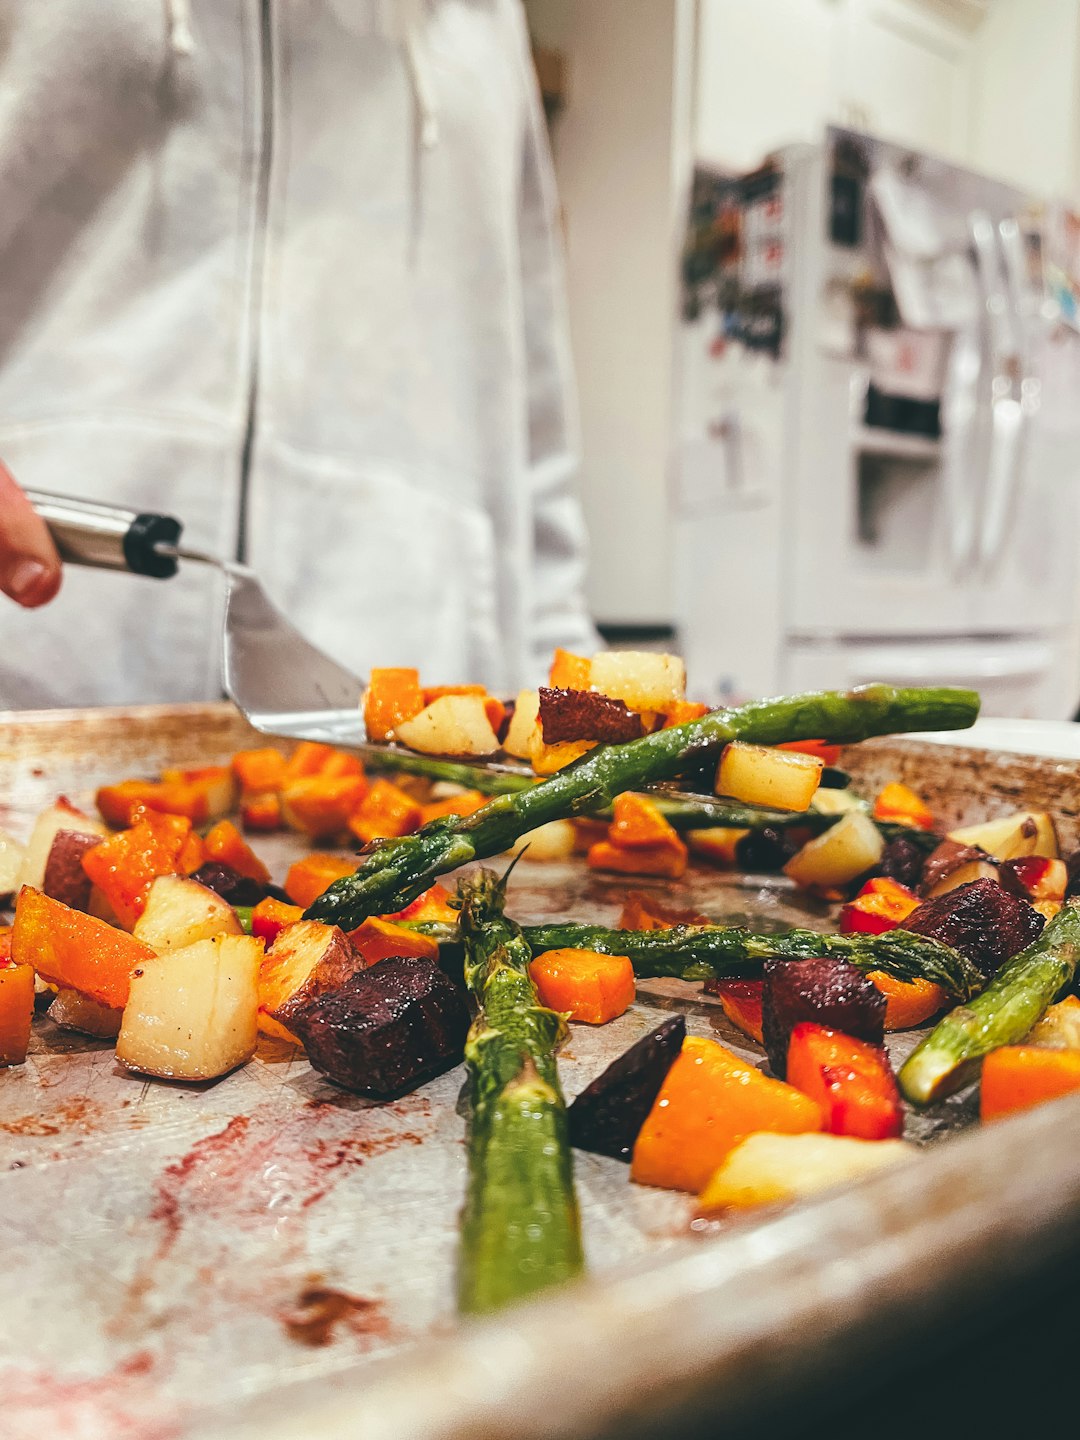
[[287, 272]]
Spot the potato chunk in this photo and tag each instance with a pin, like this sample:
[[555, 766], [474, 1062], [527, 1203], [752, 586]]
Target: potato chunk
[[61, 816], [72, 1011], [766, 1169], [180, 911], [192, 1013], [450, 725], [1028, 832], [760, 775], [851, 847], [524, 723], [645, 679], [305, 961]]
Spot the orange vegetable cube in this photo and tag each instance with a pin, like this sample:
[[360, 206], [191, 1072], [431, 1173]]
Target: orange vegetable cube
[[1018, 1077], [270, 915], [826, 753], [377, 939], [124, 866], [5, 942], [308, 758], [584, 985], [719, 844], [668, 859], [259, 770], [261, 812], [637, 823], [341, 763], [742, 1002], [645, 912], [319, 806], [393, 695], [224, 843], [16, 1011], [309, 877], [569, 671], [547, 759], [466, 803], [709, 1101], [436, 692], [908, 1002], [385, 812], [852, 1081], [121, 805], [882, 904], [202, 794], [680, 711], [75, 951], [586, 834], [902, 806]]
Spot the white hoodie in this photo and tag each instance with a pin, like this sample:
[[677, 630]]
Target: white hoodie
[[291, 260]]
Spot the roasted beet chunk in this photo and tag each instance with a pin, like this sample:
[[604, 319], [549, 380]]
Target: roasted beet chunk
[[607, 1115], [828, 992], [903, 861], [237, 889], [768, 850], [388, 1029], [981, 920], [583, 715]]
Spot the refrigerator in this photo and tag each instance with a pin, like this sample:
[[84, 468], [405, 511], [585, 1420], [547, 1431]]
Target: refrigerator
[[877, 459]]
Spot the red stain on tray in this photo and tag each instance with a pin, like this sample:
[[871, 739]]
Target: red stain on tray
[[123, 1404], [320, 1310]]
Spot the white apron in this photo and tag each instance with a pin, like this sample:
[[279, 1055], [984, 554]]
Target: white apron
[[294, 264]]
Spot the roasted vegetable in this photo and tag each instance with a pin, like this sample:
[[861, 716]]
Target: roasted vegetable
[[305, 961], [395, 872], [771, 1169], [65, 878], [946, 858], [826, 991], [1028, 832], [901, 806], [387, 1030], [722, 952], [180, 911], [234, 887], [1034, 878], [72, 1011], [607, 1115], [709, 1101], [1002, 1015], [584, 715], [851, 1081], [741, 1001], [882, 904], [1017, 1077], [908, 1002], [73, 950], [520, 1228], [981, 920], [16, 1011], [584, 985], [847, 850], [764, 775], [903, 860], [63, 816]]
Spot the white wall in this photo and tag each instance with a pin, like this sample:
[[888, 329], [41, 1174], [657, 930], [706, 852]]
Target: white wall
[[1025, 88], [617, 153]]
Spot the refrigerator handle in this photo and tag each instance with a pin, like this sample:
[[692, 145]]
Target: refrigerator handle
[[1006, 412], [958, 451]]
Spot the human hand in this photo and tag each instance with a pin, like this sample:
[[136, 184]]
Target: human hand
[[29, 565]]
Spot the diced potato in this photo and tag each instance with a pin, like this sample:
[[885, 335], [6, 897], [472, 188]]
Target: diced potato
[[61, 816], [523, 725], [554, 841], [1028, 832], [760, 775], [192, 1013], [450, 725], [1059, 1028], [766, 1169], [644, 679], [306, 960], [12, 854], [180, 911], [835, 802], [716, 844], [964, 875], [72, 1011], [842, 853]]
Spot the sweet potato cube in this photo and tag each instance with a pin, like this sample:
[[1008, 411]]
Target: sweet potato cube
[[125, 865], [73, 950], [305, 961], [309, 877], [393, 695], [377, 940], [679, 712], [547, 759], [202, 794], [259, 770], [901, 806], [908, 1002], [270, 916], [668, 858], [224, 843], [319, 806], [467, 803], [638, 824], [1018, 1077], [710, 1101], [121, 804], [569, 671], [584, 985], [308, 758], [261, 812], [16, 1011], [385, 812], [432, 905]]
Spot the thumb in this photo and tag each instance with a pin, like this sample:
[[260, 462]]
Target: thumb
[[29, 565]]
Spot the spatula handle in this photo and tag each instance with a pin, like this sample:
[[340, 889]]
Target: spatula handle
[[107, 537]]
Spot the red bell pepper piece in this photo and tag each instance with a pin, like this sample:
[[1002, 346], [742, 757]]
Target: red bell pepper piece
[[851, 1081], [882, 904]]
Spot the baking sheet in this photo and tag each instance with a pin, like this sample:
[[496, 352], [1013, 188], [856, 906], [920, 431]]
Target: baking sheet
[[181, 1257]]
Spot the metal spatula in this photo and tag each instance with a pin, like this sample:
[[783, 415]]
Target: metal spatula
[[282, 683]]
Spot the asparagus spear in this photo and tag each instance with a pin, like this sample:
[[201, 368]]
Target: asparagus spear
[[520, 1228], [393, 872], [1002, 1015]]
